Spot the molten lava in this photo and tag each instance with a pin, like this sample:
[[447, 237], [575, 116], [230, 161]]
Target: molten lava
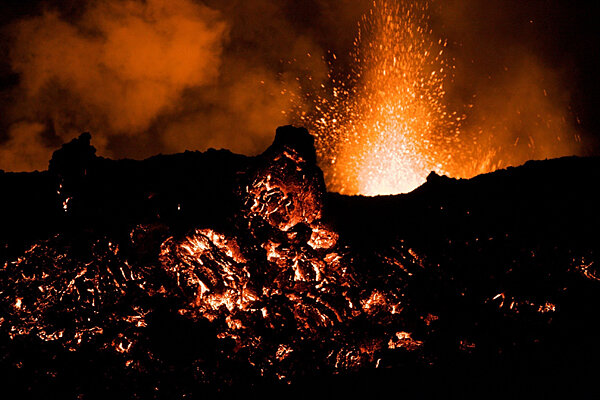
[[385, 124], [282, 289], [383, 128], [281, 273]]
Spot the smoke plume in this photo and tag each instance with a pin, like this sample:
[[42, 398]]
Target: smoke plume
[[111, 70], [510, 81], [154, 76]]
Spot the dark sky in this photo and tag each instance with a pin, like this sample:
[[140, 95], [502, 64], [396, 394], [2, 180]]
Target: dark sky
[[486, 37]]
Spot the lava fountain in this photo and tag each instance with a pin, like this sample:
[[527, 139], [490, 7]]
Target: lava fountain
[[382, 128]]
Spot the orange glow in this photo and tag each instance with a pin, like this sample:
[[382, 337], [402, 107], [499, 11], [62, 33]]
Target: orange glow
[[383, 126], [387, 127]]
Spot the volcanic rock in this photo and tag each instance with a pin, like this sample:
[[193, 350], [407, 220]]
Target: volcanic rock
[[217, 274]]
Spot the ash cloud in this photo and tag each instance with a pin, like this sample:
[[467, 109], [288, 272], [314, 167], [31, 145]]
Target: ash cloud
[[154, 76], [112, 70], [271, 43], [159, 75]]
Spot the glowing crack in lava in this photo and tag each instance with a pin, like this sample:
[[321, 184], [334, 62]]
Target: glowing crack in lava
[[284, 291], [280, 287], [382, 128]]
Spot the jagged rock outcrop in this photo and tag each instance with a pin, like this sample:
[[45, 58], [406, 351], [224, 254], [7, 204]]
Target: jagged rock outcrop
[[199, 273]]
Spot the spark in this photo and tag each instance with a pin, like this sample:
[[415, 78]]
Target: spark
[[384, 127]]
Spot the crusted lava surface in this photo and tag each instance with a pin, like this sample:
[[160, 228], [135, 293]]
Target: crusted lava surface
[[215, 274]]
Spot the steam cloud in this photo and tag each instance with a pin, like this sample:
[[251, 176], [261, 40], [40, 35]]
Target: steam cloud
[[169, 75]]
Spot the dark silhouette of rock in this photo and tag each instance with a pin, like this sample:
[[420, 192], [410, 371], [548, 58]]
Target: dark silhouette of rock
[[295, 138], [205, 274], [74, 158]]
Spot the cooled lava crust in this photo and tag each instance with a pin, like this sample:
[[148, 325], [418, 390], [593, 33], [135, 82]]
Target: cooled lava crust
[[219, 275]]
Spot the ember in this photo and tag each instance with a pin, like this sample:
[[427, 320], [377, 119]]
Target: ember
[[384, 124], [280, 272], [293, 284], [386, 127]]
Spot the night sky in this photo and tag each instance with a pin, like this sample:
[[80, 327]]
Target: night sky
[[253, 49]]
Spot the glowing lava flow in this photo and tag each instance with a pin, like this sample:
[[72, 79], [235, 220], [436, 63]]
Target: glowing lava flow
[[384, 127]]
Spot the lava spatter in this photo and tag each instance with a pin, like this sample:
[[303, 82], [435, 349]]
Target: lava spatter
[[384, 126]]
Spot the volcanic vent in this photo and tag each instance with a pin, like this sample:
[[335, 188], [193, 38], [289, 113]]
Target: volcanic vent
[[211, 272]]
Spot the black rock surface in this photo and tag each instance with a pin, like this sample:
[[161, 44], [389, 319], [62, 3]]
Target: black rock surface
[[218, 275]]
